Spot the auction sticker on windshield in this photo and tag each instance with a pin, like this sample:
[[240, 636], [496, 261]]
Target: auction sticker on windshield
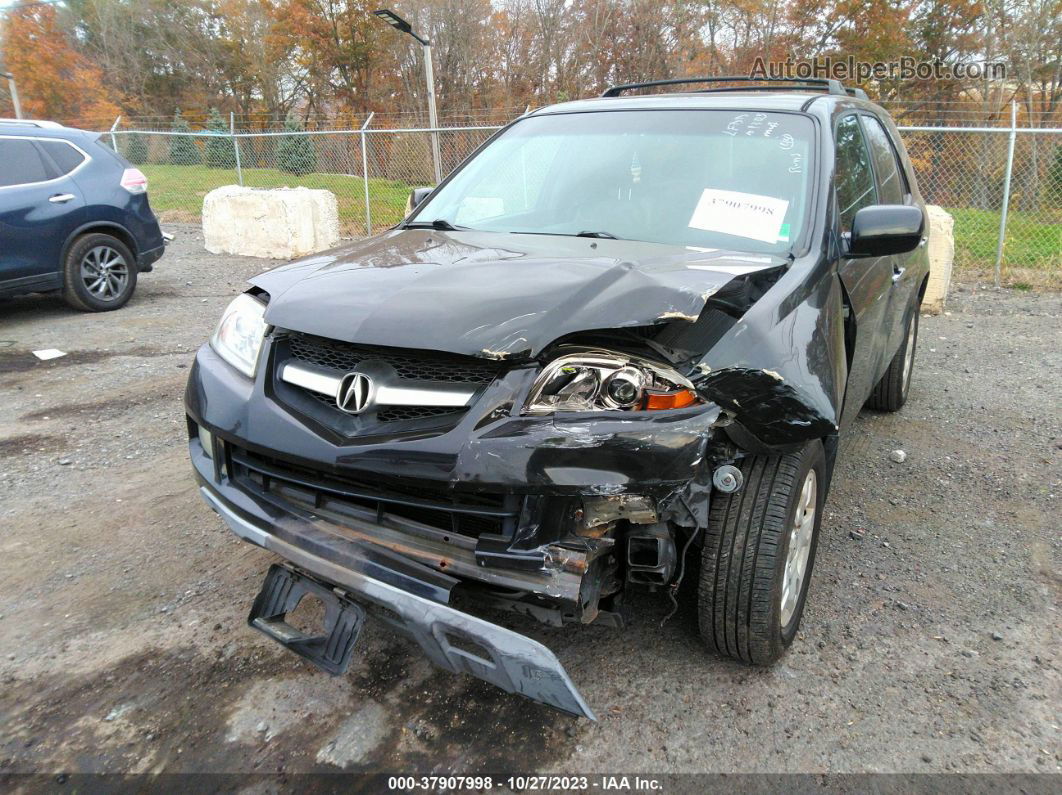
[[743, 214]]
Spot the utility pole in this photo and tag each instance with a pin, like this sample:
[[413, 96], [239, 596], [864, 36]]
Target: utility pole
[[14, 93]]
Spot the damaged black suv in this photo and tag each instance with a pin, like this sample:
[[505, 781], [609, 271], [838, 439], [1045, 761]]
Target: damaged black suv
[[614, 350]]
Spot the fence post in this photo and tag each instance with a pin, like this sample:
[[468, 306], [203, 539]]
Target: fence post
[[235, 147], [1006, 190], [365, 173], [114, 143]]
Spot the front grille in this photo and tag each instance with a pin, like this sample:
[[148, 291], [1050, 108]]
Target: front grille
[[429, 504], [408, 364], [398, 413]]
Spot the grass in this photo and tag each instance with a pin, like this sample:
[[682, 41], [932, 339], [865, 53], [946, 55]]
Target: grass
[[177, 192], [1032, 250]]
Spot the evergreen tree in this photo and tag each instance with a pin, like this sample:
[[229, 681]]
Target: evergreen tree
[[295, 153], [136, 148], [183, 151], [219, 151]]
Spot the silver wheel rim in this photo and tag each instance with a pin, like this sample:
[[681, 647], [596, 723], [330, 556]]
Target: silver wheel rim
[[104, 272], [800, 534], [908, 358]]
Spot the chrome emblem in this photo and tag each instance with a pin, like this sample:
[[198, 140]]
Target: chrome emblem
[[355, 393]]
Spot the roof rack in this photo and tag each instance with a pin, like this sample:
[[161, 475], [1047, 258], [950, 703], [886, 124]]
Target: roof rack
[[49, 125], [791, 84], [858, 93]]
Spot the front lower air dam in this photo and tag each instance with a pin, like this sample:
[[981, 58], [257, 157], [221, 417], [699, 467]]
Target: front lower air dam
[[455, 641]]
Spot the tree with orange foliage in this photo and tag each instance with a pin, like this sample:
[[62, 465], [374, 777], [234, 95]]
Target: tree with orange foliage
[[54, 79]]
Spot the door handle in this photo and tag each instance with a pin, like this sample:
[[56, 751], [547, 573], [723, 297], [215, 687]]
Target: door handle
[[897, 273], [60, 198]]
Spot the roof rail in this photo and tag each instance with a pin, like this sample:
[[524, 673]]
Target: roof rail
[[858, 93], [50, 125], [831, 86]]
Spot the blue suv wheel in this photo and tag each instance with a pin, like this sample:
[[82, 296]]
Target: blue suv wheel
[[99, 273]]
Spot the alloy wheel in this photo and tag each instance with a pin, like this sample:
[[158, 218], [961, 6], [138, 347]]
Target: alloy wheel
[[104, 272], [801, 533]]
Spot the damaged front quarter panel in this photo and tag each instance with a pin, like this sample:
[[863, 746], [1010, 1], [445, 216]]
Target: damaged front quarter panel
[[781, 368]]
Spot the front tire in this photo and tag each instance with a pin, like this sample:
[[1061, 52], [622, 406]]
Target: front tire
[[99, 273], [758, 555], [891, 391]]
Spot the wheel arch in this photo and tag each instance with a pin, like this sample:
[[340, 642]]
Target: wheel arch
[[105, 227]]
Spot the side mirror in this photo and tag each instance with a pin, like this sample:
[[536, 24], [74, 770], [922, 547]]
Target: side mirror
[[883, 229], [416, 197]]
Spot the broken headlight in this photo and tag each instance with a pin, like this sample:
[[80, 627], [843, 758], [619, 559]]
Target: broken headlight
[[239, 335], [608, 382]]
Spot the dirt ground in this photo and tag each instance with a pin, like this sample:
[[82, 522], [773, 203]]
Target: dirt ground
[[931, 640]]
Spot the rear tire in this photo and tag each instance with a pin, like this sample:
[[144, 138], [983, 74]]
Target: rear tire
[[99, 273], [752, 590], [891, 391]]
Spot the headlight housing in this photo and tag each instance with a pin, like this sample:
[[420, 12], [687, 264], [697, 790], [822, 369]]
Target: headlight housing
[[239, 336], [606, 381]]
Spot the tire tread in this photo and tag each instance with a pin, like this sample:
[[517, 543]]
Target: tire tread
[[745, 534]]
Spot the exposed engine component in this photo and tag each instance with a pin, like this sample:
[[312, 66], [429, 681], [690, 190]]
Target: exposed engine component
[[651, 555]]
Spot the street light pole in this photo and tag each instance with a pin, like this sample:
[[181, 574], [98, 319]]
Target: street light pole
[[14, 93], [433, 119], [395, 21]]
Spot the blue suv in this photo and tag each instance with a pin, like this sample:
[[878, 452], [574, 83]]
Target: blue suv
[[74, 217]]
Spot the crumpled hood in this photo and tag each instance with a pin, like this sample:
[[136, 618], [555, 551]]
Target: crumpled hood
[[490, 294]]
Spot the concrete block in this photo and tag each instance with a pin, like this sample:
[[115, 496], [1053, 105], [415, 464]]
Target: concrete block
[[279, 223], [941, 258]]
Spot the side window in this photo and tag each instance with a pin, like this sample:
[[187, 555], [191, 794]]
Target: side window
[[855, 178], [22, 163], [64, 155], [892, 188]]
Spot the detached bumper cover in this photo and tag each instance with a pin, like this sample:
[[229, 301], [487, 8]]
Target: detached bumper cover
[[513, 662]]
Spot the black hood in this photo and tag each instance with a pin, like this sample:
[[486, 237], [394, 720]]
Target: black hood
[[491, 294]]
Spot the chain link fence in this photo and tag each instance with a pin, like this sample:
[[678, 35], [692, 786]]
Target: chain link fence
[[973, 172]]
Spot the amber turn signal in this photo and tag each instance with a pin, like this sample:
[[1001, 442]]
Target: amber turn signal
[[670, 400]]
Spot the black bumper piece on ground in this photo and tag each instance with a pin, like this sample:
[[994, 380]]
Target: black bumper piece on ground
[[281, 593], [392, 589]]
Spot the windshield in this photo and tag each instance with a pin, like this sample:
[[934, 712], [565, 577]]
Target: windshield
[[696, 178]]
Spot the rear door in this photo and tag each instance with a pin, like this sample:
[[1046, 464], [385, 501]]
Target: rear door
[[39, 207], [868, 281]]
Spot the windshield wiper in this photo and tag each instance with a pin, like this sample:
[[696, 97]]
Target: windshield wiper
[[602, 235], [439, 223]]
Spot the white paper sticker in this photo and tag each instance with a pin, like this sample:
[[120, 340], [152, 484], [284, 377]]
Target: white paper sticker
[[48, 353], [742, 214]]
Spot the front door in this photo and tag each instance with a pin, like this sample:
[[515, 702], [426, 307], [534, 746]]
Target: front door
[[893, 189], [868, 281]]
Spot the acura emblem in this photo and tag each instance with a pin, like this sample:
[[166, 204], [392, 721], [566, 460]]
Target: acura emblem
[[355, 393]]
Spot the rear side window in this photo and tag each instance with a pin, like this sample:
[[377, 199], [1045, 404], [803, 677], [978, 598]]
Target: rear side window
[[20, 163], [855, 177], [64, 155]]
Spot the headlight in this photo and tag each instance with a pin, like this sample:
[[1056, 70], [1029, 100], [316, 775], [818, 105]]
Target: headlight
[[599, 381], [239, 336]]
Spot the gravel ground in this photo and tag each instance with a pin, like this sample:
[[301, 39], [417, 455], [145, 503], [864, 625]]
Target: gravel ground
[[931, 640]]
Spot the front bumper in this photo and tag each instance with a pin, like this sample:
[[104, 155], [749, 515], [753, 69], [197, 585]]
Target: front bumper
[[389, 587], [407, 568]]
